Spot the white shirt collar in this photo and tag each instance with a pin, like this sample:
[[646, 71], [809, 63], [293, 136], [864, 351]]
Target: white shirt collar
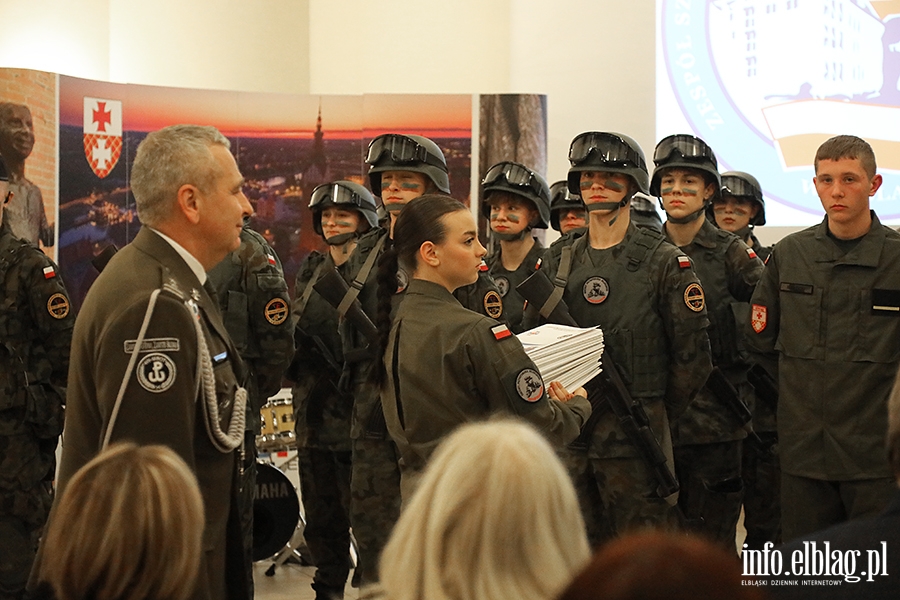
[[189, 258]]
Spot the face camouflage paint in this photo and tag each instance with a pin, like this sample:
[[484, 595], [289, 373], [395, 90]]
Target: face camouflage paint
[[689, 191], [666, 190], [344, 224], [612, 185]]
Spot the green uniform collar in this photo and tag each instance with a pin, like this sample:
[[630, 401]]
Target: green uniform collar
[[866, 254]]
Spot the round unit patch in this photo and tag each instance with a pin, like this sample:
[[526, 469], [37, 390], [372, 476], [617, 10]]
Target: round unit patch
[[595, 290], [694, 297], [58, 306], [502, 285], [276, 311], [493, 305], [402, 280], [156, 372], [529, 385]]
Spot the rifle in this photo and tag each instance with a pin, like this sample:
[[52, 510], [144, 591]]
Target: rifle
[[722, 389], [764, 384], [607, 391], [332, 287]]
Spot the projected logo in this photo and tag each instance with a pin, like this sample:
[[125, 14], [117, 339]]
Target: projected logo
[[765, 83]]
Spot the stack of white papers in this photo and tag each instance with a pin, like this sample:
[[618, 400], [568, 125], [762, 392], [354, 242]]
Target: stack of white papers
[[570, 355]]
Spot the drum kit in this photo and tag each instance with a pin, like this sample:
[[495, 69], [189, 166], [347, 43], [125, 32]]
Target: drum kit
[[278, 522]]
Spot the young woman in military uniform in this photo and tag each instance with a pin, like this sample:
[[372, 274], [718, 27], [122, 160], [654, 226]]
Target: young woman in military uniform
[[342, 211], [567, 212], [515, 200], [645, 295], [738, 209], [741, 207], [708, 436], [401, 168], [445, 365]]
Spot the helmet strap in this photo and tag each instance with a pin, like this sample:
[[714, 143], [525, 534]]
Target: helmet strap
[[615, 206], [687, 218], [511, 237], [341, 238]]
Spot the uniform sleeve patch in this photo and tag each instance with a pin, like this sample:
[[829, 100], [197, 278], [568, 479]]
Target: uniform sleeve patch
[[493, 305], [271, 260], [501, 332], [694, 298], [156, 372], [49, 272], [276, 311], [529, 385], [58, 306], [751, 253], [684, 262], [483, 267], [758, 318]]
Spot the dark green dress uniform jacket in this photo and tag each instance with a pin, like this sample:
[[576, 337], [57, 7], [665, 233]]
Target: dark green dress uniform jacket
[[833, 318], [647, 299], [482, 297], [446, 366], [729, 272], [161, 404]]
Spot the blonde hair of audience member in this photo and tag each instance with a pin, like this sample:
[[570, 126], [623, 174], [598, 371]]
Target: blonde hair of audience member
[[495, 516], [661, 565], [128, 526]]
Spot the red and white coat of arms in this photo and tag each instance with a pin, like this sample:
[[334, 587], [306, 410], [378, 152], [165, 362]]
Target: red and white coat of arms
[[102, 134]]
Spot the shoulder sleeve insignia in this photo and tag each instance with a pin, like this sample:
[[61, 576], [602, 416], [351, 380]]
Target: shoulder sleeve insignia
[[751, 253], [684, 262], [271, 259], [483, 266], [493, 305], [529, 385], [49, 272], [758, 318], [156, 372], [58, 306], [694, 298], [501, 332], [276, 311]]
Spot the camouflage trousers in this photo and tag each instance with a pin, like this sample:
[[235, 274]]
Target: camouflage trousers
[[246, 495], [374, 501], [22, 517], [325, 487], [711, 489], [616, 496], [762, 492]]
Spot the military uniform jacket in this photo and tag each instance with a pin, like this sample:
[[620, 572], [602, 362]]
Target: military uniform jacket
[[253, 299], [834, 321], [322, 410], [447, 366], [35, 333], [649, 303], [482, 297], [161, 404], [729, 271], [506, 281]]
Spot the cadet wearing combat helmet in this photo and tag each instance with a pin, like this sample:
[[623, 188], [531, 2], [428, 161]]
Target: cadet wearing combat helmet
[[740, 207], [515, 200], [35, 331], [645, 295], [707, 437], [341, 212]]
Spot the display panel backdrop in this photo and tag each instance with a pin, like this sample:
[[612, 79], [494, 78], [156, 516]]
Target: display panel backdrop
[[285, 145], [765, 82]]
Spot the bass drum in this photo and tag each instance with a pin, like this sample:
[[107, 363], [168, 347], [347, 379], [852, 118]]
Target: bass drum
[[276, 511]]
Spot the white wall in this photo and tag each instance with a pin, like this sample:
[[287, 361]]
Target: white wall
[[593, 59]]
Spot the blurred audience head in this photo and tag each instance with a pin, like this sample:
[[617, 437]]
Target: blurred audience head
[[495, 516], [128, 526], [651, 565]]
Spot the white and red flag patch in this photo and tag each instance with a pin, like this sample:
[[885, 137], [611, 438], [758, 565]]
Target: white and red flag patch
[[102, 134], [501, 331], [49, 272]]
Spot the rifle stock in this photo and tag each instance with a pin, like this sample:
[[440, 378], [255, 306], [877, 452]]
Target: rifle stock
[[332, 287]]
